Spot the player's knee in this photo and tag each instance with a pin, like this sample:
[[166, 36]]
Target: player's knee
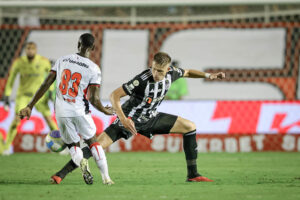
[[91, 141], [104, 140], [190, 126]]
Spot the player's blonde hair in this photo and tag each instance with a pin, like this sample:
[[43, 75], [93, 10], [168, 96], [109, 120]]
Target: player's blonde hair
[[162, 58]]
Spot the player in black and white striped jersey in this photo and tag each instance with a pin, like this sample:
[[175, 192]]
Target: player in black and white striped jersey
[[139, 114]]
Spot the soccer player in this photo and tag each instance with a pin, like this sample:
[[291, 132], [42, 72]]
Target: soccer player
[[77, 76], [138, 114], [33, 69]]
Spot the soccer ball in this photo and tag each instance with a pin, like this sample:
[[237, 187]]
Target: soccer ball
[[54, 141]]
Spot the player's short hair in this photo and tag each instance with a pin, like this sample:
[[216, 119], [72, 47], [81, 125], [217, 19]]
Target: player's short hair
[[87, 40], [31, 43], [162, 58]]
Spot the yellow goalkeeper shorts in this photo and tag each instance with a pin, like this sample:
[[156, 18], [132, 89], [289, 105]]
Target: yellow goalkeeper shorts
[[41, 106]]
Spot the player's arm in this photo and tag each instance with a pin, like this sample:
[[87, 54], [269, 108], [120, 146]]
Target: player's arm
[[47, 65], [115, 97], [94, 98], [10, 82], [192, 73], [26, 112]]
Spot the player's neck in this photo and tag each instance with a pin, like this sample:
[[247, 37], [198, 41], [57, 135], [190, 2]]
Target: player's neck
[[30, 58], [84, 54]]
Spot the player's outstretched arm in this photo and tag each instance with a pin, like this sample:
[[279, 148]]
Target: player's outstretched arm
[[192, 73], [94, 98], [115, 97], [26, 112]]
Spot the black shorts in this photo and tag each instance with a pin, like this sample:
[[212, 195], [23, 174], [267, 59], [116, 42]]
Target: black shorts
[[161, 124]]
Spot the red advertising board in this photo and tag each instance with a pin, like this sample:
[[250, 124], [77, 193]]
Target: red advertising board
[[173, 143], [222, 126]]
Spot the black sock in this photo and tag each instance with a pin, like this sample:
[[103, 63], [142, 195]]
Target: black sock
[[87, 152], [191, 153], [70, 166]]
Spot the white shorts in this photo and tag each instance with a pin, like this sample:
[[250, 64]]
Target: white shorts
[[70, 127]]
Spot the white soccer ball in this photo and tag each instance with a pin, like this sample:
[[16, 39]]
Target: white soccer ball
[[54, 141]]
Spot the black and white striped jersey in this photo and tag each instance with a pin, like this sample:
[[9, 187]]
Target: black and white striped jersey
[[146, 94]]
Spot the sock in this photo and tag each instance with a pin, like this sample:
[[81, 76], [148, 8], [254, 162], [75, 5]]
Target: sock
[[191, 153], [76, 154], [100, 158], [52, 125], [87, 152], [70, 166]]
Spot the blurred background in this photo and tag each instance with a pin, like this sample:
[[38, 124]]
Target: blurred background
[[256, 43]]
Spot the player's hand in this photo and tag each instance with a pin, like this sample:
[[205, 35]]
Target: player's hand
[[108, 110], [25, 112], [218, 75], [129, 124]]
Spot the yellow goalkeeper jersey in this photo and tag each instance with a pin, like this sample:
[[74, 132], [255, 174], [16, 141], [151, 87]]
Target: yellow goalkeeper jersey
[[32, 75]]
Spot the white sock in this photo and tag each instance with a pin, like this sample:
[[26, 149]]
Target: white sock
[[100, 158], [76, 154]]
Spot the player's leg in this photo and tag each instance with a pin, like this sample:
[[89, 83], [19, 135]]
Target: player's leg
[[167, 123], [188, 129], [111, 134], [71, 139], [21, 102], [1, 144], [102, 139], [12, 132], [100, 159], [87, 129], [43, 107]]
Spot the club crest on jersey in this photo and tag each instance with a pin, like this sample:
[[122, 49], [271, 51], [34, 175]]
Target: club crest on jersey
[[136, 83]]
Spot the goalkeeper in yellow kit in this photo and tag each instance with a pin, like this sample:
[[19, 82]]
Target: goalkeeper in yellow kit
[[32, 69]]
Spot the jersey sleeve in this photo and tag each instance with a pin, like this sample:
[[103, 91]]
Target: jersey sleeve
[[96, 77], [133, 86], [55, 66], [176, 73], [12, 75]]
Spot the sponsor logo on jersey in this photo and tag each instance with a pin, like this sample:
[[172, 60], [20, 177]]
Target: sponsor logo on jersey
[[148, 100], [154, 100]]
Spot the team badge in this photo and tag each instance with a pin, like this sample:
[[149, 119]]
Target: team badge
[[136, 83]]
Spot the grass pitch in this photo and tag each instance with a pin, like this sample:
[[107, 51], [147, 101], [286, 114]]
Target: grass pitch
[[156, 176]]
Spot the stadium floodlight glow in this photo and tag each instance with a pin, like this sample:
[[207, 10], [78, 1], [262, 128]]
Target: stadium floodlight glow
[[137, 3]]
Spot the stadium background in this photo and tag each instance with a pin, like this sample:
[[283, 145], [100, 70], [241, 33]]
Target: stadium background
[[256, 108]]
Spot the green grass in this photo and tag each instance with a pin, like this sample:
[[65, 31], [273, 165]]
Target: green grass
[[156, 176]]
